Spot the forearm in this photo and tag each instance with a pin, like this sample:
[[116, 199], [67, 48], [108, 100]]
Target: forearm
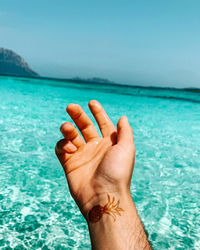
[[126, 232]]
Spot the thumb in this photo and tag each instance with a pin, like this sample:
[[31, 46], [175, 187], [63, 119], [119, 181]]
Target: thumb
[[124, 133]]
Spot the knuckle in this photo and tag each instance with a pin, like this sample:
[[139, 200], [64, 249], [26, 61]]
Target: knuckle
[[78, 115], [87, 126]]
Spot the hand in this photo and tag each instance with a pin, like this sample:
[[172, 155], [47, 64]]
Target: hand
[[99, 172], [97, 166]]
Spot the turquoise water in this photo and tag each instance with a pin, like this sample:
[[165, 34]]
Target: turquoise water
[[36, 210]]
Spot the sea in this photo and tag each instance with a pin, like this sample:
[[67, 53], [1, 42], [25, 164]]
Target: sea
[[36, 209]]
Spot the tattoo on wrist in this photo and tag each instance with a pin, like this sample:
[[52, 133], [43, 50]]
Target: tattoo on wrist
[[110, 208]]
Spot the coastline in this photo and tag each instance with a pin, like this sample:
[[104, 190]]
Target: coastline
[[90, 81]]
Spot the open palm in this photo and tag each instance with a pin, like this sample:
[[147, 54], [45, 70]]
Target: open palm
[[95, 166]]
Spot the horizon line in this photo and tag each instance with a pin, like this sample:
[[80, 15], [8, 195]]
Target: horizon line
[[104, 82]]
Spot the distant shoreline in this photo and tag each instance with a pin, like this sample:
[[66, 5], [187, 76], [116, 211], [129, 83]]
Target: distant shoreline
[[90, 81]]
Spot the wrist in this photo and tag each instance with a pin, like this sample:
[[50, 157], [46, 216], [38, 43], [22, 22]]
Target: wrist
[[122, 230], [107, 205]]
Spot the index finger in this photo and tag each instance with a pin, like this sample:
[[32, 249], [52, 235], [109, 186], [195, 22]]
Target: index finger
[[83, 122]]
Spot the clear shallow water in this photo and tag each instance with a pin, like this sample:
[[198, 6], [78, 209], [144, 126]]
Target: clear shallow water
[[36, 210]]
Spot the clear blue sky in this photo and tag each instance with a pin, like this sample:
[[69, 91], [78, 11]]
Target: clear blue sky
[[136, 42]]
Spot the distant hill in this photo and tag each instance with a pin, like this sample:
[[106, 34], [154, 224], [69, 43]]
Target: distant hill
[[92, 80], [13, 64]]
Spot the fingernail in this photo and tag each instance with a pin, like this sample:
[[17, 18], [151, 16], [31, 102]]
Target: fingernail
[[125, 118], [71, 148]]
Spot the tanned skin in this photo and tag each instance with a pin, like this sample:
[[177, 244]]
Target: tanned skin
[[98, 171]]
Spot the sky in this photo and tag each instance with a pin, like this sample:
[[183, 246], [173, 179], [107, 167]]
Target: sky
[[147, 43]]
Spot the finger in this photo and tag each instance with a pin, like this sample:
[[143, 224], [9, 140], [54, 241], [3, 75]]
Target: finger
[[106, 126], [70, 133], [64, 150], [65, 147], [125, 134], [82, 121]]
